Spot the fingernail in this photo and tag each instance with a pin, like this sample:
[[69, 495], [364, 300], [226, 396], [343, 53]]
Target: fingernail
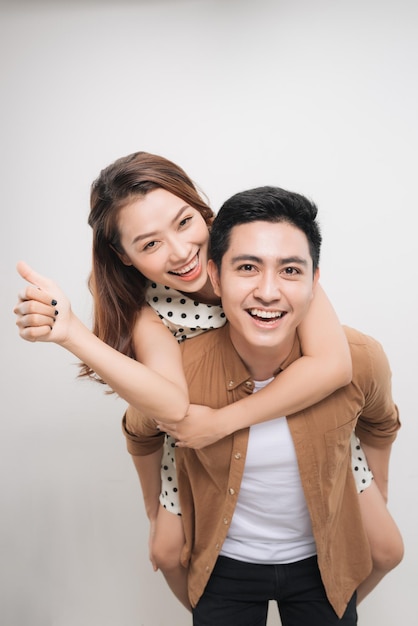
[[54, 303], [56, 312]]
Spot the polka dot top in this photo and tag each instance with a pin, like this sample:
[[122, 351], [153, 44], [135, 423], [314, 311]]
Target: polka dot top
[[185, 317]]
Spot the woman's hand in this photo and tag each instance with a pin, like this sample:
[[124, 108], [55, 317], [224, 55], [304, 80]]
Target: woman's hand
[[201, 427], [43, 311]]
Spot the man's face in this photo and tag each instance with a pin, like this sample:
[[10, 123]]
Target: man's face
[[266, 284]]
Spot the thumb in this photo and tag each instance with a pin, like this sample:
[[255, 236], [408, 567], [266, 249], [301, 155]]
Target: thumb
[[33, 277]]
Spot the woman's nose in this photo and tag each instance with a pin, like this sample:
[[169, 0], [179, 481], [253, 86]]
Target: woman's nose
[[179, 249]]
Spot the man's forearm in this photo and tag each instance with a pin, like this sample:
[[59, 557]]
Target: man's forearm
[[149, 471]]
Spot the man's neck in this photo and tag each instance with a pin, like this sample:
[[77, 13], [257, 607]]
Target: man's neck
[[262, 362]]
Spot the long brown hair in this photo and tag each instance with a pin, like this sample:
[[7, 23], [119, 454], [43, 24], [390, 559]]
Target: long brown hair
[[119, 290]]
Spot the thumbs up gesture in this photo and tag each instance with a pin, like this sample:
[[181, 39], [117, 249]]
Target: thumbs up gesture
[[43, 311]]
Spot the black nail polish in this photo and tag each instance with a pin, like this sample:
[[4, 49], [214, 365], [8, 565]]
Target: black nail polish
[[54, 303], [56, 312]]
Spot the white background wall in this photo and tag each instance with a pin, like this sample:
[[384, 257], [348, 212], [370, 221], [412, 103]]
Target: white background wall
[[317, 96]]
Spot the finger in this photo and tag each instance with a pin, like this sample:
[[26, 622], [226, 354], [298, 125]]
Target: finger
[[154, 564], [168, 431], [34, 321], [34, 307], [33, 277], [166, 427], [35, 333], [37, 295], [40, 290]]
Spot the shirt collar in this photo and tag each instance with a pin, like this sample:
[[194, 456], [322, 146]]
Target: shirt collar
[[236, 371]]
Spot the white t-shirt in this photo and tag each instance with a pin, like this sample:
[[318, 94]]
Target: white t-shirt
[[271, 522]]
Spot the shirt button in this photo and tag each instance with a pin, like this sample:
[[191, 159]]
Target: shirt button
[[249, 384], [231, 491], [217, 546], [225, 521], [231, 383], [207, 568], [237, 455]]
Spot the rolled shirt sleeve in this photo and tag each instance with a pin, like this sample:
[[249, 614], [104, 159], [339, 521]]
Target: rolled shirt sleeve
[[142, 436]]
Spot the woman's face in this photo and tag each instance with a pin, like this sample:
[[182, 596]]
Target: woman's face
[[166, 240]]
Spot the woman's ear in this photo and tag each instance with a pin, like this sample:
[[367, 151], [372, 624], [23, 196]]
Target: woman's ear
[[213, 274], [122, 256]]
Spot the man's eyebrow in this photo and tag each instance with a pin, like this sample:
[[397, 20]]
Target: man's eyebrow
[[281, 260], [156, 232], [293, 259], [246, 257]]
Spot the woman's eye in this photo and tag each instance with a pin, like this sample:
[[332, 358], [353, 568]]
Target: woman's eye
[[150, 245], [184, 221]]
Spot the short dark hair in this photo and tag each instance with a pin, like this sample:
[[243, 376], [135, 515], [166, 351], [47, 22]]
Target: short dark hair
[[265, 204]]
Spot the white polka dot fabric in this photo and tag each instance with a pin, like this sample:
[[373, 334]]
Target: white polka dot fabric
[[185, 318], [362, 474]]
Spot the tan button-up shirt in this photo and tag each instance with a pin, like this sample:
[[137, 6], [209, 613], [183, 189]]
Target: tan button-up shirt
[[210, 478]]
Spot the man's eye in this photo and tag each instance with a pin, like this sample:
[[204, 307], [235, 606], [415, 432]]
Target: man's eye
[[247, 267], [291, 271]]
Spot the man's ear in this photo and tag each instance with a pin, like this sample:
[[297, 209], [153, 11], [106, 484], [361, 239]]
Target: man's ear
[[315, 279], [122, 256], [214, 277]]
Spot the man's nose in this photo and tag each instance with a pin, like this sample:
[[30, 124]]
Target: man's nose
[[268, 287]]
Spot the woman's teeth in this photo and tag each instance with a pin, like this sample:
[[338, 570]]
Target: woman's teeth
[[186, 268]]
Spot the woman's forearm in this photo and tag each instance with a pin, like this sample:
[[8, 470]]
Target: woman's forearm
[[145, 389]]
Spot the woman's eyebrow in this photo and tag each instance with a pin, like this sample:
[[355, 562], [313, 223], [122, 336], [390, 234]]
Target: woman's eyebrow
[[155, 232]]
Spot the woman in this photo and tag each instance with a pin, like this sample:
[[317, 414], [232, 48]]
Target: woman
[[150, 237]]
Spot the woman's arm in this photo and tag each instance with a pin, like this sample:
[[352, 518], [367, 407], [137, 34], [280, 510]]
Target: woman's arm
[[324, 367], [157, 388]]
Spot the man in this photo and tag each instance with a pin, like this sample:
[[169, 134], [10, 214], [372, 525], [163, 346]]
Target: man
[[272, 512]]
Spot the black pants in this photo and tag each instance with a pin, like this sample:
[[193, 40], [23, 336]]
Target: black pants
[[238, 593]]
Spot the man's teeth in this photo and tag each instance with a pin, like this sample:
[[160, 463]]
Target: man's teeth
[[266, 314], [187, 268]]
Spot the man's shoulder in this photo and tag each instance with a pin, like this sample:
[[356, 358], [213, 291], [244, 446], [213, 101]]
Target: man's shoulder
[[356, 337], [367, 353]]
